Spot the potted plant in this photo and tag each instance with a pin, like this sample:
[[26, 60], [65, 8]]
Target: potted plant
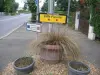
[[78, 68], [53, 46], [24, 65]]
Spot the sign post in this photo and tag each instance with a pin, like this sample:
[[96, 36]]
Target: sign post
[[51, 11], [69, 1], [37, 4]]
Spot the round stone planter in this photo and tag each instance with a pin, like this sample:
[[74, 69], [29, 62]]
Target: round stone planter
[[51, 54], [78, 68], [24, 70]]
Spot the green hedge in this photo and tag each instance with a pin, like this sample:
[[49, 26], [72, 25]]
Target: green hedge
[[96, 23], [71, 22], [61, 12], [95, 20]]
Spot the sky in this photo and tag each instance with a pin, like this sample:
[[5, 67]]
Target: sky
[[21, 2]]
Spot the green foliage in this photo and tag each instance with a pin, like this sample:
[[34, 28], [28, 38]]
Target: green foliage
[[23, 11], [60, 12], [14, 7], [95, 15], [25, 6], [62, 5], [7, 6], [1, 5], [71, 22], [73, 6], [96, 23], [10, 6], [45, 7], [85, 14], [33, 17], [32, 6], [91, 2]]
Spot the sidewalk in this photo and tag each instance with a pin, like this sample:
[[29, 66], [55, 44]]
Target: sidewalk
[[17, 44], [89, 49]]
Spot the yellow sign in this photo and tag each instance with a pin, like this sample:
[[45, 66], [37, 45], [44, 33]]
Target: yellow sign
[[52, 18]]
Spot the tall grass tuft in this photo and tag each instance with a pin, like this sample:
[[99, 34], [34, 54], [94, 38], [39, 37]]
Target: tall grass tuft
[[69, 48]]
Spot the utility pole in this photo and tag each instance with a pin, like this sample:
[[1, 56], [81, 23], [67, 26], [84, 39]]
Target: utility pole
[[51, 11], [69, 1], [51, 6], [37, 10]]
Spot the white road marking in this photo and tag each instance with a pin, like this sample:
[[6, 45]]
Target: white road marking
[[12, 29], [10, 32]]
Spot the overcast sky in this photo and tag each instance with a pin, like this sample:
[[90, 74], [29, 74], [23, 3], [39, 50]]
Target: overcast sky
[[21, 2]]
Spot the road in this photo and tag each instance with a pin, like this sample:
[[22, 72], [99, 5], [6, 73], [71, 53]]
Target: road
[[9, 23]]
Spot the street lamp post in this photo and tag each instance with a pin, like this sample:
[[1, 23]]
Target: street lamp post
[[69, 1]]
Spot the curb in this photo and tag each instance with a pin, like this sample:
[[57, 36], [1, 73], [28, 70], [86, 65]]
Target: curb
[[10, 32]]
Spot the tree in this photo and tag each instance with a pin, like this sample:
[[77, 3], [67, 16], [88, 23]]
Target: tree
[[14, 7], [62, 5], [7, 6], [32, 7], [74, 5], [10, 6], [94, 6], [45, 6], [1, 5], [25, 6]]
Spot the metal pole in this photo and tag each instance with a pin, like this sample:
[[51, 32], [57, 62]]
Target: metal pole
[[37, 10], [51, 6], [69, 1], [51, 11]]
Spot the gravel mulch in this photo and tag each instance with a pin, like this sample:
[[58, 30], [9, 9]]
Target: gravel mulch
[[42, 68]]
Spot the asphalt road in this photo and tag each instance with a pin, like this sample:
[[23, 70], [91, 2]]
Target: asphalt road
[[9, 23]]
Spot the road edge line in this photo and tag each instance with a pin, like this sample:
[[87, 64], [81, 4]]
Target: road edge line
[[10, 32]]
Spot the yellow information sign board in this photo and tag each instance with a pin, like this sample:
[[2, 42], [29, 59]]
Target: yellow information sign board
[[52, 18]]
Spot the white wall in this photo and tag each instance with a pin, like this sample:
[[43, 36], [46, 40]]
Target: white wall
[[91, 35], [77, 18]]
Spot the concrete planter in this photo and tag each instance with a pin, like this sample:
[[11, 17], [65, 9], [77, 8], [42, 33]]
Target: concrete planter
[[51, 54], [78, 68]]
